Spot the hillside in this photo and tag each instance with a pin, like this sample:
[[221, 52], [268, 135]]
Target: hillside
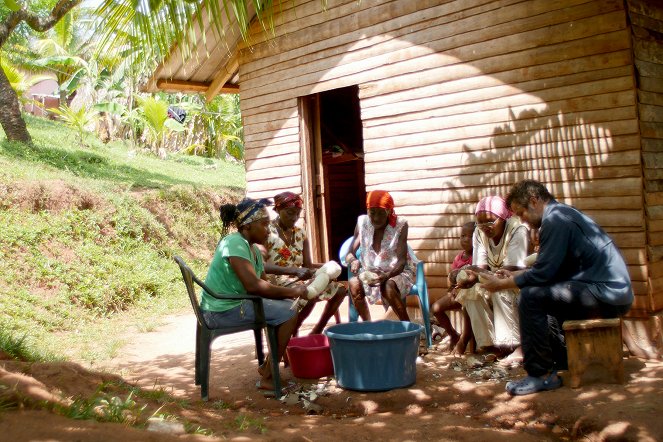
[[88, 238]]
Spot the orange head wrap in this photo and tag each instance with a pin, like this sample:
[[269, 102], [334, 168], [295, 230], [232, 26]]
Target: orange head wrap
[[382, 199]]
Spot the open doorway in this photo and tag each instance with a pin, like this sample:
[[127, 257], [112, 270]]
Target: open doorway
[[333, 160]]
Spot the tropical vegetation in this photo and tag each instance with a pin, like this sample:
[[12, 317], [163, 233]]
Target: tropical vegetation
[[99, 60]]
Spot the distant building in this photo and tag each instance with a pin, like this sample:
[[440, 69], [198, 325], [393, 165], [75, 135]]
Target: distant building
[[42, 96]]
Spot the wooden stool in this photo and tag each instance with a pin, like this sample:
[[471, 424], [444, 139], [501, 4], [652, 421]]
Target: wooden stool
[[594, 341]]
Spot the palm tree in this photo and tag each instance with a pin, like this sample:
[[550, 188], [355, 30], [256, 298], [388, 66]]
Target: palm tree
[[157, 24], [15, 14]]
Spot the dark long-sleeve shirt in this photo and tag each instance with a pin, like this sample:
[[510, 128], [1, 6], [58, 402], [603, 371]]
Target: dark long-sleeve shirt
[[572, 247]]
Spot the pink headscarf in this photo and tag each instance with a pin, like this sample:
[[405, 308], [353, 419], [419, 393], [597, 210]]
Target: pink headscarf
[[495, 205]]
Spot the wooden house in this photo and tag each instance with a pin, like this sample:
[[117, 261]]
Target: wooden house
[[441, 102]]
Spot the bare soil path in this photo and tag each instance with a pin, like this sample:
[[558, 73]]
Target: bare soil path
[[449, 401]]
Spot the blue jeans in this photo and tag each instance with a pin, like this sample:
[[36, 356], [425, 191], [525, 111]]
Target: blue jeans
[[277, 311]]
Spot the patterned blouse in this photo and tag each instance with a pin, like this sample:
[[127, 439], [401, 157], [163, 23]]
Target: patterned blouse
[[284, 255], [384, 259]]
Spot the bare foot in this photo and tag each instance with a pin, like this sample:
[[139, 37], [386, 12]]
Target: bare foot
[[265, 384], [514, 359], [265, 371], [458, 350], [453, 341]]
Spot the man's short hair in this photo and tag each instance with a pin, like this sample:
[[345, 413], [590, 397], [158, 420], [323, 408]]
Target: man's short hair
[[521, 192]]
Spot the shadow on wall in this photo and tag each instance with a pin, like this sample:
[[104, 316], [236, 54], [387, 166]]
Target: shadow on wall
[[562, 150]]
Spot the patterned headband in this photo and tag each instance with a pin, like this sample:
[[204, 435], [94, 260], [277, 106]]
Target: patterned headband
[[254, 211]]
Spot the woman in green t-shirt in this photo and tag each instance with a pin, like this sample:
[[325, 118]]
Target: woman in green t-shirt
[[237, 268]]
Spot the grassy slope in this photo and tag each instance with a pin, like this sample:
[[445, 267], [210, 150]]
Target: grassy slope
[[88, 234]]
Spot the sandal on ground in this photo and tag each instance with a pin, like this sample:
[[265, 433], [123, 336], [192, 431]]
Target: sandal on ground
[[532, 384]]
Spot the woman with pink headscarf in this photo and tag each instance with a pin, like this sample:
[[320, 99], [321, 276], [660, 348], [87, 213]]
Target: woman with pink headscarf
[[500, 242]]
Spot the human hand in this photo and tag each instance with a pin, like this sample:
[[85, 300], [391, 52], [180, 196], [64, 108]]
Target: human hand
[[453, 292], [303, 273], [382, 277], [355, 265], [300, 291], [492, 282], [502, 273]]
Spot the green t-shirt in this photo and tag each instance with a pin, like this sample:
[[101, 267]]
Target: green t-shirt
[[222, 279]]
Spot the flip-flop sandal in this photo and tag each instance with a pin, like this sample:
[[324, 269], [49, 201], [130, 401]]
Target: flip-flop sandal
[[531, 384]]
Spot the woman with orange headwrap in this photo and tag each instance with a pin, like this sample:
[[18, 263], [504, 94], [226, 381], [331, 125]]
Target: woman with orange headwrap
[[385, 270]]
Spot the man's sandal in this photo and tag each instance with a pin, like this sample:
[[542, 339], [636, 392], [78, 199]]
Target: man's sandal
[[532, 384]]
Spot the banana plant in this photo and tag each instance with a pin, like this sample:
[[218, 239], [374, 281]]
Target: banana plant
[[224, 125], [153, 119], [79, 119], [63, 53]]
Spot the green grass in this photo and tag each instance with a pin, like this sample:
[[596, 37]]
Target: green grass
[[56, 155], [88, 238]]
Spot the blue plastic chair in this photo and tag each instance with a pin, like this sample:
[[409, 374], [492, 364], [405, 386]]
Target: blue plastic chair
[[419, 289]]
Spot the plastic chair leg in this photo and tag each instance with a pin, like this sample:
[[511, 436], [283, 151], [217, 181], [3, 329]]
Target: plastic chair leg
[[205, 351], [273, 352], [425, 312], [260, 354], [197, 360]]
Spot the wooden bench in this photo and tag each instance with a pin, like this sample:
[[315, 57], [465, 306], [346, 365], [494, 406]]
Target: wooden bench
[[594, 341]]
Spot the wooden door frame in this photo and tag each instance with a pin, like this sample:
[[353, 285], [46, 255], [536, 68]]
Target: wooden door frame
[[312, 171]]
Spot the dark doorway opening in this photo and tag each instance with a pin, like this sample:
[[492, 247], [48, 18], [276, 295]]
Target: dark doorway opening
[[337, 169]]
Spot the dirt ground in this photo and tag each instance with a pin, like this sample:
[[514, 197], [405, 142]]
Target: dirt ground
[[449, 401]]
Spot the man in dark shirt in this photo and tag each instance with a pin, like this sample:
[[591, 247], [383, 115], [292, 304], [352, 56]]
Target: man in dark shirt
[[579, 274]]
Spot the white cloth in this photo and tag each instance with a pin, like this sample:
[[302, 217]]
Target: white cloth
[[329, 271]]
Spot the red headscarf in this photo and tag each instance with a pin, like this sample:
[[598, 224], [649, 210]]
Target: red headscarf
[[286, 200], [382, 199]]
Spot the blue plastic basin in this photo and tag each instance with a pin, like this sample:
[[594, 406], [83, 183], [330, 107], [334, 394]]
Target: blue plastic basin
[[374, 356]]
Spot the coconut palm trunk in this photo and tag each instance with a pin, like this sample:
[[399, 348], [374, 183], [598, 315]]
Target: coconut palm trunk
[[10, 114]]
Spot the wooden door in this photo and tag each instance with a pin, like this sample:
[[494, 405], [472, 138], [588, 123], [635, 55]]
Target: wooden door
[[332, 160]]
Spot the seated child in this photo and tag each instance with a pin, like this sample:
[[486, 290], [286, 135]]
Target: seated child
[[459, 341]]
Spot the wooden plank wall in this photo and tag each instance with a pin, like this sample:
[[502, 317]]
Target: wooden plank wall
[[647, 32], [459, 100]]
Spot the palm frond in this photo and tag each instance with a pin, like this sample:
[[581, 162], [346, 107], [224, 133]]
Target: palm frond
[[159, 25]]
